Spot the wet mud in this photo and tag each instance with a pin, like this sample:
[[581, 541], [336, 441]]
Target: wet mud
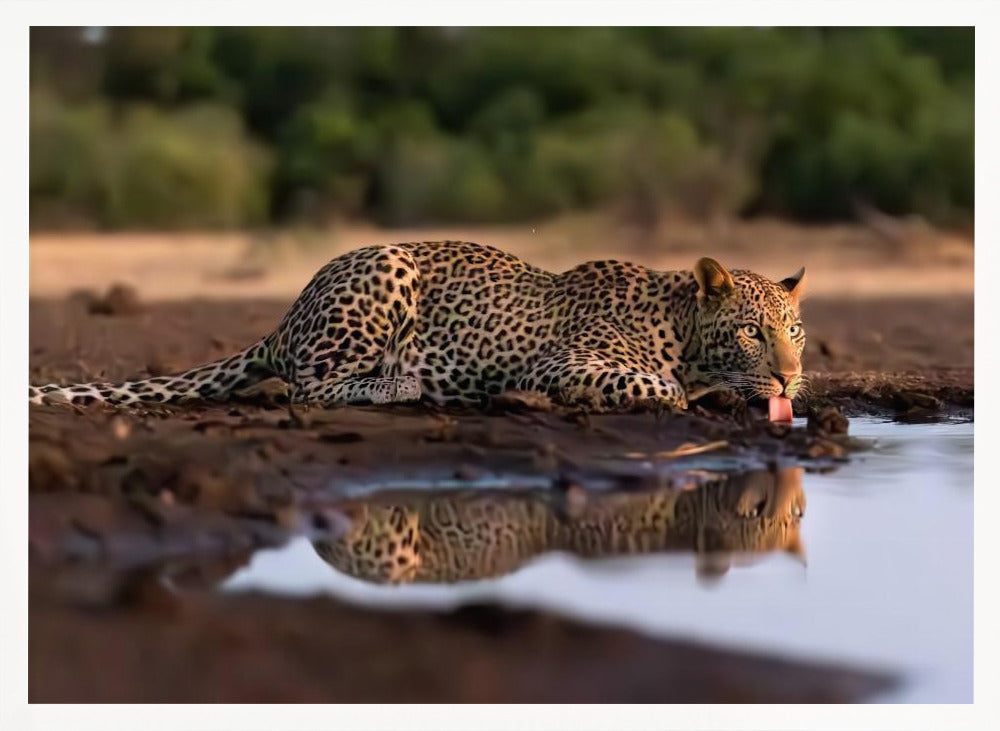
[[116, 496]]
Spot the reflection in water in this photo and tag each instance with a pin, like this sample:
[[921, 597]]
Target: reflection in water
[[454, 536], [905, 572]]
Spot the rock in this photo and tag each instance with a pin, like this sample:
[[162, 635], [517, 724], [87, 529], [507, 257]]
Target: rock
[[904, 401], [120, 299], [827, 420], [924, 400], [522, 401], [778, 429]]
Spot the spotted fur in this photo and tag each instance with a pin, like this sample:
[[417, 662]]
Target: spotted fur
[[458, 322], [460, 536]]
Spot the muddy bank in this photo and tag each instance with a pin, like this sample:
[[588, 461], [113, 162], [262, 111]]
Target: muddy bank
[[119, 502], [115, 486], [906, 359], [148, 483], [253, 649], [117, 494]]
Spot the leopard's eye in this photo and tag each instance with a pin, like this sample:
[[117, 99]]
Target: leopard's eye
[[795, 331], [750, 330]]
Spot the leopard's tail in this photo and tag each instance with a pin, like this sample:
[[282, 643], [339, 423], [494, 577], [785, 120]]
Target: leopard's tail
[[210, 382]]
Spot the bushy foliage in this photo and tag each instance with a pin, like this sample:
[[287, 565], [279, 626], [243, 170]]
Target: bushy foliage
[[142, 167], [177, 126]]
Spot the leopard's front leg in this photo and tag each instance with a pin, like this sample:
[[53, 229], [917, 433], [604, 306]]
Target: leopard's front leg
[[623, 388], [574, 376]]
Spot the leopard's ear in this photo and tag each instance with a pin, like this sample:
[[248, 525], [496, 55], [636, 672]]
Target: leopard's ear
[[713, 279], [795, 285]]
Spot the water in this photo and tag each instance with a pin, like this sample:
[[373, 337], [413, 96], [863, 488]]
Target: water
[[887, 580]]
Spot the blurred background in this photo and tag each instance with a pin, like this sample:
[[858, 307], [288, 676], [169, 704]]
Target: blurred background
[[588, 140]]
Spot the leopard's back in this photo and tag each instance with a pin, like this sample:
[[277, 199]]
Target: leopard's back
[[481, 315]]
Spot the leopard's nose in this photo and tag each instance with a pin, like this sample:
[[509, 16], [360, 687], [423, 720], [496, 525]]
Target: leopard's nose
[[784, 377]]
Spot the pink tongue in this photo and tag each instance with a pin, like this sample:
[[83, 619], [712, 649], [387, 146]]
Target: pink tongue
[[779, 409]]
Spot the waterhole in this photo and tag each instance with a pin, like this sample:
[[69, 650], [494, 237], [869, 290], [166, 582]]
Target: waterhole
[[871, 564]]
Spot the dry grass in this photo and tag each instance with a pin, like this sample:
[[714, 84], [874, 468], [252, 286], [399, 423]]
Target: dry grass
[[846, 260]]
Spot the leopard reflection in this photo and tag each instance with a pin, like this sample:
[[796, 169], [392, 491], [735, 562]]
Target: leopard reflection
[[447, 537]]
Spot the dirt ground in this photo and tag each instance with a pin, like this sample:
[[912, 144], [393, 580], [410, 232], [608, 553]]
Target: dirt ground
[[115, 495], [212, 649]]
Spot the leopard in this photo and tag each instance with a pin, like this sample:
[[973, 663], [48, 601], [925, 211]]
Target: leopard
[[466, 535], [459, 323]]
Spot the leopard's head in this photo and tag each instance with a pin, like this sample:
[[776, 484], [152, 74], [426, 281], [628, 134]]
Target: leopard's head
[[747, 516], [750, 332]]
